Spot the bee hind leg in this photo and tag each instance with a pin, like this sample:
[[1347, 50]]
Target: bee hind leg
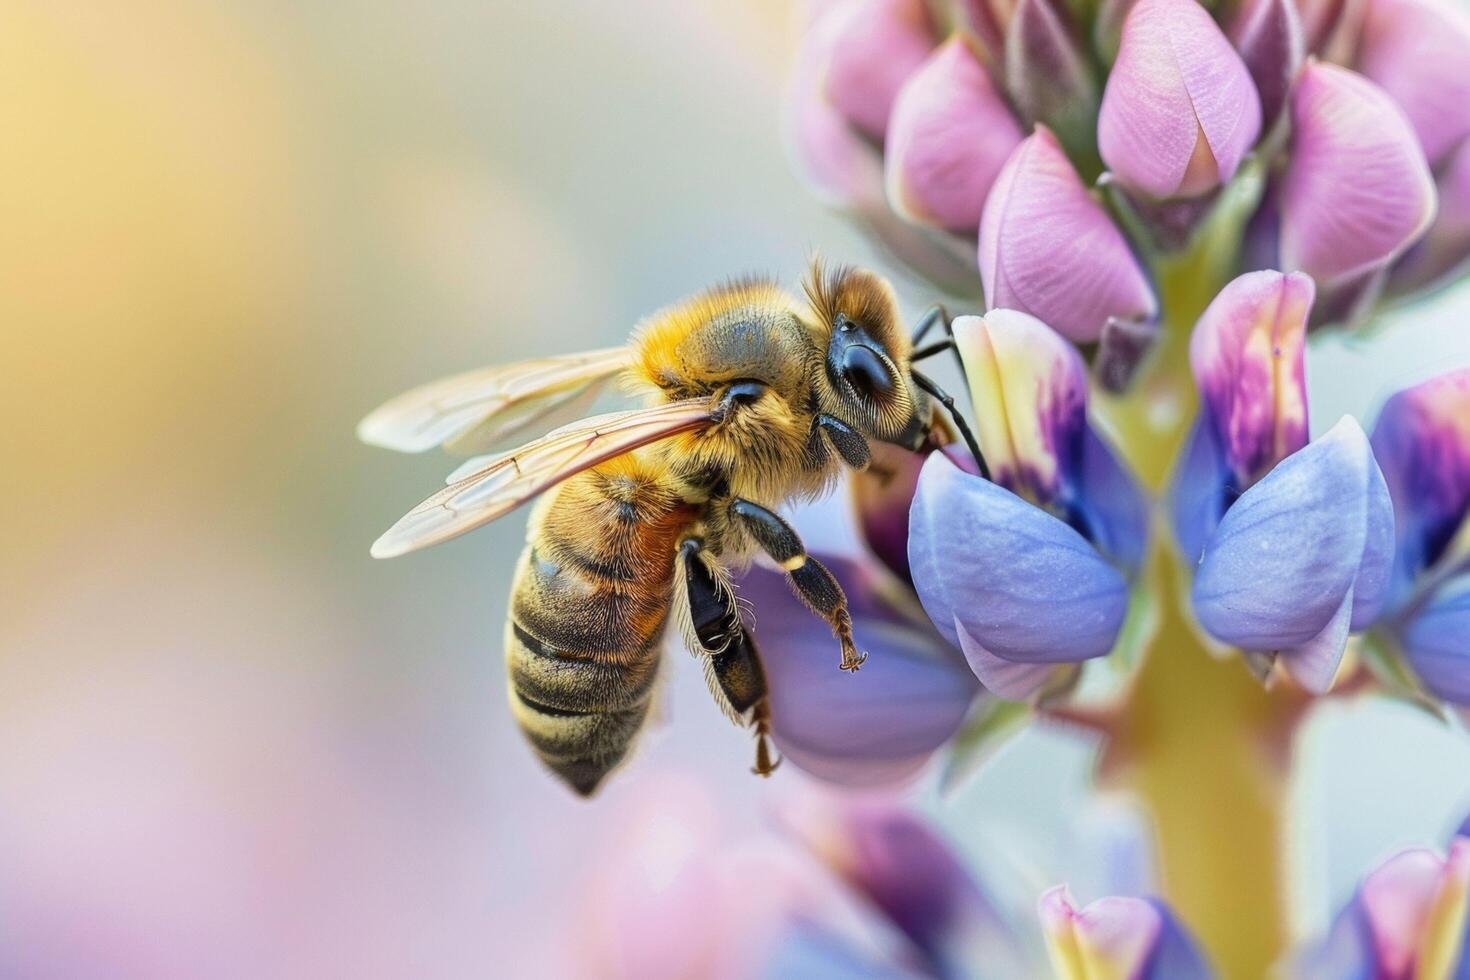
[[815, 585], [736, 676]]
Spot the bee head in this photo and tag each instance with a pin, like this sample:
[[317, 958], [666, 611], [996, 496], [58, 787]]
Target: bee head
[[867, 353]]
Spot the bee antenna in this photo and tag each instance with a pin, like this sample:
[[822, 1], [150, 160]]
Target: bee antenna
[[947, 400]]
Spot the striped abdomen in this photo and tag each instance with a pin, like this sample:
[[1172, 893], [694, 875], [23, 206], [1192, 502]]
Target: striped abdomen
[[588, 608]]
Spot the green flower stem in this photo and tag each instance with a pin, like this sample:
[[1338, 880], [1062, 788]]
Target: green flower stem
[[1199, 741]]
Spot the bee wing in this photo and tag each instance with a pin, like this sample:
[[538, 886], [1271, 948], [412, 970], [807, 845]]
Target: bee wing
[[510, 479], [468, 413]]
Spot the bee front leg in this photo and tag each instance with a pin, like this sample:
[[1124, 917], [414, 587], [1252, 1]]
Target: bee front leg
[[848, 442], [814, 584]]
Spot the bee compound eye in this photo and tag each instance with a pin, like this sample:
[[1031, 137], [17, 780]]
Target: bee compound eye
[[865, 371]]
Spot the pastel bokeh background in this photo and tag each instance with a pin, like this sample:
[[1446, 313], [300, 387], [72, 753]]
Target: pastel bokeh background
[[233, 745]]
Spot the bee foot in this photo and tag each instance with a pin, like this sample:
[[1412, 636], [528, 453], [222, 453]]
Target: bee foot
[[853, 660]]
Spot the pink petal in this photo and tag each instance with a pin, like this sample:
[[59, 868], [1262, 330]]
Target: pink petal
[[1248, 353], [1180, 110], [1112, 937], [878, 45], [1357, 191], [1048, 249], [948, 137], [1397, 899], [1419, 52], [841, 167]]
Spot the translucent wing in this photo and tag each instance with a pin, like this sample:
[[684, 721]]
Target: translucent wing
[[469, 413], [512, 478]]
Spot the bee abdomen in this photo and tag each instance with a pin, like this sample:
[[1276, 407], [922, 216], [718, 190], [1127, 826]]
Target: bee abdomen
[[587, 618], [580, 714]]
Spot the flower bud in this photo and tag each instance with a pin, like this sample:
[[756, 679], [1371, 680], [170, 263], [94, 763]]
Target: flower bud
[[1248, 355], [1330, 28], [1357, 191], [1406, 920], [1048, 249], [1180, 111], [1417, 51], [1302, 558], [841, 167], [1134, 938], [1049, 77], [877, 45], [1445, 248], [1268, 35], [948, 137]]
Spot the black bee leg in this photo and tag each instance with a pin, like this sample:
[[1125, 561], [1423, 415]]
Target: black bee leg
[[848, 442], [813, 583], [734, 666], [947, 400], [933, 316]]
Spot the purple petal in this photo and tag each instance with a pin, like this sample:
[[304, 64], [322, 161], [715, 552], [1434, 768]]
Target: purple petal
[[1268, 35], [1357, 191], [878, 45], [1301, 556], [1441, 255], [1024, 586], [949, 136], [1180, 110], [1248, 354], [1119, 937], [1417, 50], [912, 876], [1437, 642], [1048, 249], [878, 727], [1029, 387], [1048, 76], [1422, 441]]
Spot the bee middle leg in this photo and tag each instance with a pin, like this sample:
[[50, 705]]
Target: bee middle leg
[[815, 585], [734, 664]]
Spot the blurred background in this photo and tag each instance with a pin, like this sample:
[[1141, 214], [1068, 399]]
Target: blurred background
[[233, 745]]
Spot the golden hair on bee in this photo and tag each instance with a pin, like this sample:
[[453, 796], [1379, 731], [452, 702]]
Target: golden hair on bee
[[860, 296]]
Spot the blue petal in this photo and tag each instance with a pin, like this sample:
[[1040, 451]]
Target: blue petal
[[879, 726], [1112, 504], [1197, 491], [1437, 641], [1025, 586], [1313, 535], [1176, 955]]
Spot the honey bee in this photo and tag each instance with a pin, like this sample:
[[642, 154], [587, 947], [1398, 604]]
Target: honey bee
[[755, 399]]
